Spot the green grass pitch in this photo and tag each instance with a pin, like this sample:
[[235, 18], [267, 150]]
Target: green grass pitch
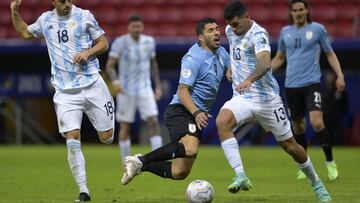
[[41, 174]]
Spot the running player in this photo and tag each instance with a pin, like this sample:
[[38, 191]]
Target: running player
[[73, 39], [256, 97]]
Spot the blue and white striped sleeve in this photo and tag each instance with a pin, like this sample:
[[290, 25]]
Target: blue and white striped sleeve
[[36, 28], [115, 50], [93, 27]]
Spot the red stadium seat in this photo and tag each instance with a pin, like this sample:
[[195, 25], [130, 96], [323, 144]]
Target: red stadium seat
[[151, 14], [194, 13], [280, 12], [187, 30], [215, 12], [345, 29], [259, 12], [171, 14], [348, 10], [324, 12], [167, 30]]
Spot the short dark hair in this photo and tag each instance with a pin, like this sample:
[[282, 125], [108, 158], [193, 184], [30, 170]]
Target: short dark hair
[[200, 25], [134, 18], [308, 16], [234, 8]]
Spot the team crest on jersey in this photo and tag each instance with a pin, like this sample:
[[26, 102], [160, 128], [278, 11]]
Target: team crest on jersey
[[72, 24], [186, 73], [192, 127], [309, 35], [244, 45]]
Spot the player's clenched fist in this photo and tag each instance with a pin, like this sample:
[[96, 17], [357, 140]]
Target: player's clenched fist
[[14, 5]]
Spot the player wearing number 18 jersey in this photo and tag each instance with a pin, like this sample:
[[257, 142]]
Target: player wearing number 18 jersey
[[73, 38], [256, 97]]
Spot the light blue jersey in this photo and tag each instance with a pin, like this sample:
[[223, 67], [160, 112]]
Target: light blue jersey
[[65, 37], [134, 63], [302, 47], [203, 72], [243, 50]]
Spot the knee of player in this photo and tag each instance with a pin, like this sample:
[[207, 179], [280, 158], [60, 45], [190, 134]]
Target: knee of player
[[180, 174], [191, 152], [106, 137], [317, 125], [222, 123], [289, 147]]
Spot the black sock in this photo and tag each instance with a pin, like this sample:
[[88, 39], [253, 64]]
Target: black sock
[[169, 151], [325, 140], [160, 168], [301, 140]]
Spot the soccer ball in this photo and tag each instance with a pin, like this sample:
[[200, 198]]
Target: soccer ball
[[200, 191]]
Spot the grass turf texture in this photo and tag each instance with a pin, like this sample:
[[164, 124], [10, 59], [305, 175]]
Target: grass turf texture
[[41, 174]]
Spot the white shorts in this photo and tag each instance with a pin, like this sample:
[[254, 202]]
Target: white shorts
[[95, 100], [271, 115], [126, 106]]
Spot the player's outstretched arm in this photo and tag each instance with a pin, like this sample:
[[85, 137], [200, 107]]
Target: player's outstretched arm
[[335, 65], [19, 24], [277, 61]]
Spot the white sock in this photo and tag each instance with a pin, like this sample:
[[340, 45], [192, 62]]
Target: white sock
[[231, 150], [125, 148], [308, 169], [77, 163], [155, 142]]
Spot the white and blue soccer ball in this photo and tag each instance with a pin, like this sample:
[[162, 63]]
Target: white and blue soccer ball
[[200, 191]]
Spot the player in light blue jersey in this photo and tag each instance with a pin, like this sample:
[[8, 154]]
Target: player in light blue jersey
[[256, 97], [73, 38], [135, 55], [301, 43], [202, 69]]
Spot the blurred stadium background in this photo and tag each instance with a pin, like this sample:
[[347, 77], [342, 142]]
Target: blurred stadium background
[[26, 109]]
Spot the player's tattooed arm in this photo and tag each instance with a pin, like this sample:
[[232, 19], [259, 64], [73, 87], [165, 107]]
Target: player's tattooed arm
[[263, 62], [262, 66]]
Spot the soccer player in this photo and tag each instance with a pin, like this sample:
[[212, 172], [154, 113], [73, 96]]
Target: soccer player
[[256, 97], [135, 54], [202, 69], [300, 43], [73, 38]]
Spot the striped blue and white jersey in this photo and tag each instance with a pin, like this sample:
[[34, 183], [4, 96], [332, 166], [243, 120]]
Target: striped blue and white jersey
[[134, 63], [65, 37], [202, 71], [243, 50], [303, 47]]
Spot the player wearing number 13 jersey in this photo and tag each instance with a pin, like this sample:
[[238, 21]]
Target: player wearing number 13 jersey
[[73, 38], [256, 97]]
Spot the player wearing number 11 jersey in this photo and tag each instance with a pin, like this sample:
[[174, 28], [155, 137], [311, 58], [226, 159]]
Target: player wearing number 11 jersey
[[73, 38], [256, 97]]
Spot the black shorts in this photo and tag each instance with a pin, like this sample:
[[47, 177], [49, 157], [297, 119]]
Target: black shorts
[[180, 122], [303, 99]]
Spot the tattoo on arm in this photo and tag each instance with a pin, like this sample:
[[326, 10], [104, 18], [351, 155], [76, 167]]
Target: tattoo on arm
[[262, 66]]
